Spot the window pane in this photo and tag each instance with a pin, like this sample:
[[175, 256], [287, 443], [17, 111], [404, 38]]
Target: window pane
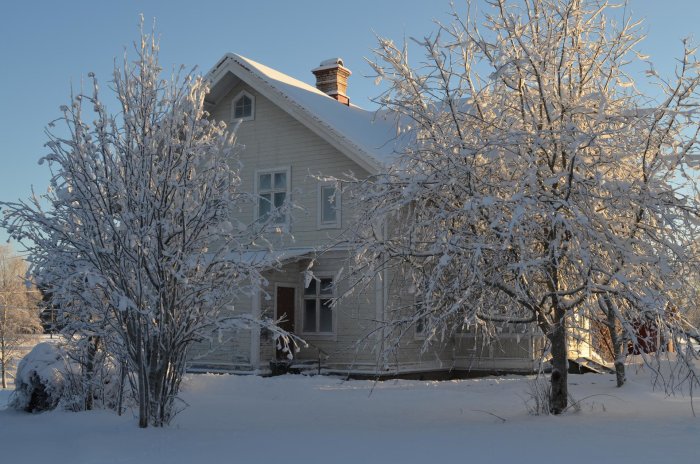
[[310, 315], [279, 199], [328, 206], [280, 180], [420, 326], [326, 286], [264, 205], [311, 289], [243, 107], [265, 182], [247, 106], [326, 317]]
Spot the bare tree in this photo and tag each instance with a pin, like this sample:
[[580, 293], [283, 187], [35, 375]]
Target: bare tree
[[538, 184], [19, 313], [137, 246]]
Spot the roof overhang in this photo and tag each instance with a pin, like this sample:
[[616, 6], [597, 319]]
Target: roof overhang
[[271, 258]]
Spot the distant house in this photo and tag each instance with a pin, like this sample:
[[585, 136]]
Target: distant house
[[293, 131]]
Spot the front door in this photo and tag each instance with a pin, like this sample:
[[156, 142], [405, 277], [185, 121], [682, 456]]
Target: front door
[[285, 309]]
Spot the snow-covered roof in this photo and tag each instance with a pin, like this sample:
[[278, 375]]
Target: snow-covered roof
[[367, 137]]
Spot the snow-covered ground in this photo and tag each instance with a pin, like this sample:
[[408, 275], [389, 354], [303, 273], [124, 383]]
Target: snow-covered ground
[[296, 419]]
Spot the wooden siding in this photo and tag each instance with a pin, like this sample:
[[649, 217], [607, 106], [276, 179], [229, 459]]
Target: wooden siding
[[276, 140], [354, 318], [226, 349]]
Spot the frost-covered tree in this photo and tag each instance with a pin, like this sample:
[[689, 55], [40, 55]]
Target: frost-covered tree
[[19, 313], [134, 241], [539, 183]]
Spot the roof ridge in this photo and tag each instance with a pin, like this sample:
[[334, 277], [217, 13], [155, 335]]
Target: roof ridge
[[284, 77]]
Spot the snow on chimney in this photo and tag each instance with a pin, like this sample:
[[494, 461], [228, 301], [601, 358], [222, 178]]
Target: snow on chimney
[[332, 79]]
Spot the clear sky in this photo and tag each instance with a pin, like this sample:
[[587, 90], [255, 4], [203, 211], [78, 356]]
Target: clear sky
[[48, 45]]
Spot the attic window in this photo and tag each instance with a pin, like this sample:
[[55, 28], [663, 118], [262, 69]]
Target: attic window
[[243, 107]]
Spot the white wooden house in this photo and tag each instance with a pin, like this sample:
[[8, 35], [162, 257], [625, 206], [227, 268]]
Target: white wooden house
[[292, 132]]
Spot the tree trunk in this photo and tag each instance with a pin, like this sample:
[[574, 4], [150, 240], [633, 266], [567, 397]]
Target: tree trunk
[[143, 396], [559, 378], [89, 375], [157, 377], [120, 396], [620, 370], [142, 379], [3, 349], [616, 342], [155, 382]]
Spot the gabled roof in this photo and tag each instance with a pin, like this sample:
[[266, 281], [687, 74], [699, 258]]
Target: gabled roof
[[366, 137]]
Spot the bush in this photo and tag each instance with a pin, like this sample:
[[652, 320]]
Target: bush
[[539, 393], [95, 379], [40, 380], [54, 375]]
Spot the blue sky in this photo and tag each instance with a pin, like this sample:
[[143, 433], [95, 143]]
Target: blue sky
[[46, 46]]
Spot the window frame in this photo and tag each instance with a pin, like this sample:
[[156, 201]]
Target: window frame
[[332, 336], [259, 172], [239, 95], [336, 224]]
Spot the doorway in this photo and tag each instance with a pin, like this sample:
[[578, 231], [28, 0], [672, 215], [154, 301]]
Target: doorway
[[285, 298]]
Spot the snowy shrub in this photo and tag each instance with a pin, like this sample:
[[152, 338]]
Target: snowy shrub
[[95, 379], [41, 378], [169, 262], [53, 375], [538, 394]]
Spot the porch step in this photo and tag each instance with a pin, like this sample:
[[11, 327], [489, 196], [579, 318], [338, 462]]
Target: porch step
[[218, 368], [282, 367], [584, 365]]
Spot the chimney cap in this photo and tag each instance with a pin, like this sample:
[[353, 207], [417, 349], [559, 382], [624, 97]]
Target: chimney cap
[[330, 63]]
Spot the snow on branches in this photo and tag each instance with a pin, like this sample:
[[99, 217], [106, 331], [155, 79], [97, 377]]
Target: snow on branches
[[539, 183], [134, 241]]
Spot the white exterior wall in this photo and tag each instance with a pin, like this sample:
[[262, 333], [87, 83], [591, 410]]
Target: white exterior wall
[[354, 320], [226, 350], [464, 351], [275, 140]]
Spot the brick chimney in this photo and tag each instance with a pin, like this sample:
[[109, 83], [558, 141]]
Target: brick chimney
[[332, 79]]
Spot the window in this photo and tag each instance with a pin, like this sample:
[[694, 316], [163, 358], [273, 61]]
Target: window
[[420, 328], [421, 321], [318, 315], [273, 191], [243, 107], [423, 316], [328, 206]]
